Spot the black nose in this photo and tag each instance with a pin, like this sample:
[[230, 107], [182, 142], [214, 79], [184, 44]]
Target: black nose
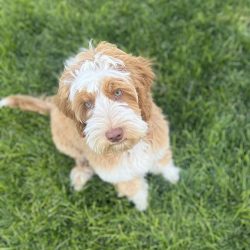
[[114, 135]]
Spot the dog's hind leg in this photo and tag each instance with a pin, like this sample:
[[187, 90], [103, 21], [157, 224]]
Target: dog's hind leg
[[80, 174], [136, 191]]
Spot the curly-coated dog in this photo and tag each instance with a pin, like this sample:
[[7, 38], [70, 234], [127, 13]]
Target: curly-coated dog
[[104, 117]]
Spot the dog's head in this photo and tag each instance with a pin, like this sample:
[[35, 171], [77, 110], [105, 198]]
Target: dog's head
[[107, 93]]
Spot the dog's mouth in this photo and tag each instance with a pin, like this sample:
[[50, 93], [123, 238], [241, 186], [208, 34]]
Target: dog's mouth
[[119, 142], [123, 145]]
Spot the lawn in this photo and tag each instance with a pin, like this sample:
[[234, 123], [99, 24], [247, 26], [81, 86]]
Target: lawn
[[201, 53]]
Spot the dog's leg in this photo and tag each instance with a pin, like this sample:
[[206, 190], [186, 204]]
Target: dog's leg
[[167, 168], [136, 191], [80, 174]]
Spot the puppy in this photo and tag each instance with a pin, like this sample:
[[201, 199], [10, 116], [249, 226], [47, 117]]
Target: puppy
[[104, 117]]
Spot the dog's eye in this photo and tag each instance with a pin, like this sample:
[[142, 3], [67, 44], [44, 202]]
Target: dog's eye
[[118, 93], [89, 105]]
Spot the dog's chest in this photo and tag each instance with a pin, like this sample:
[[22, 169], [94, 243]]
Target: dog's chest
[[133, 163]]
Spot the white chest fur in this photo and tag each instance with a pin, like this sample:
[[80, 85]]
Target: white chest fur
[[133, 163]]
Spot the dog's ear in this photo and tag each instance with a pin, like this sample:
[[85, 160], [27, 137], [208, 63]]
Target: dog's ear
[[64, 105], [62, 101], [143, 77]]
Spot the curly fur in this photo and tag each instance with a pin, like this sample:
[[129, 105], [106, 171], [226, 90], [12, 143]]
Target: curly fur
[[87, 105]]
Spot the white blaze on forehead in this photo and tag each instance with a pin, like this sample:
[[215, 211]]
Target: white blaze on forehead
[[91, 73]]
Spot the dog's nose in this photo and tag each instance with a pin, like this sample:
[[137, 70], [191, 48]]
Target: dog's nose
[[114, 135]]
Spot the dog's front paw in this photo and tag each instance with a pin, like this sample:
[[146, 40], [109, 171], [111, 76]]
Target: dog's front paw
[[140, 199], [142, 205], [171, 173], [79, 177]]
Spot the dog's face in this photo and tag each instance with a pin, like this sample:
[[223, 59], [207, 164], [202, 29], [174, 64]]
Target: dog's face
[[107, 93]]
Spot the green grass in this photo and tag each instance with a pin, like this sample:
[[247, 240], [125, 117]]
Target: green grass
[[202, 62]]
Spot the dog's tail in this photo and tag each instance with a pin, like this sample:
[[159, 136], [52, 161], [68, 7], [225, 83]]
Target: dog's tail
[[41, 105]]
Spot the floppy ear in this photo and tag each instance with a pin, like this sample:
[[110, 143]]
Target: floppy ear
[[64, 106], [143, 78], [62, 101]]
